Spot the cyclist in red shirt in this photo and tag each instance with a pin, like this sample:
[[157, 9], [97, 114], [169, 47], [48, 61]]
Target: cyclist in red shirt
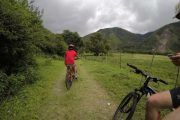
[[70, 57]]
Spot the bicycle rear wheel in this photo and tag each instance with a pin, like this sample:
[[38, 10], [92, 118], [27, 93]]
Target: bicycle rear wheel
[[68, 81], [127, 107]]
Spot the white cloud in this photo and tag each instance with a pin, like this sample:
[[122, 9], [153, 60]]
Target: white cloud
[[85, 16]]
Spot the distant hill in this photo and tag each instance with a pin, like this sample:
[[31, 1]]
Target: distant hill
[[163, 40]]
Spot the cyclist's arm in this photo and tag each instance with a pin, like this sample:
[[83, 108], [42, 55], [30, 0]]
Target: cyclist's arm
[[65, 59], [77, 56]]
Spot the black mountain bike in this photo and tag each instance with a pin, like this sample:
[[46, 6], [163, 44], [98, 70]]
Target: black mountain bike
[[127, 106]]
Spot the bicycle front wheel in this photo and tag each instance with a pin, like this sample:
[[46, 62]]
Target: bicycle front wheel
[[127, 107]]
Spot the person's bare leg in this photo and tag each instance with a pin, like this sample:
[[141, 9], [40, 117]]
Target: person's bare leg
[[75, 71], [156, 102], [175, 115]]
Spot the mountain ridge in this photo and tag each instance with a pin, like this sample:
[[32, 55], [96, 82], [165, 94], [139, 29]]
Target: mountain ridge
[[163, 40]]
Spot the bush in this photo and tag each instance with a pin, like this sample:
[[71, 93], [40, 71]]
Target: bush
[[31, 75], [15, 83], [11, 84], [3, 84]]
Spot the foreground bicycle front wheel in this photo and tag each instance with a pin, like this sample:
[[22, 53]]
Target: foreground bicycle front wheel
[[127, 107]]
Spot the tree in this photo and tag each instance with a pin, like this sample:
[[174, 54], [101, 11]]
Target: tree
[[97, 44], [72, 38], [20, 29], [61, 45]]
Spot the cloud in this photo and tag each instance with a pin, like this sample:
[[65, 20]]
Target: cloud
[[150, 15], [86, 16]]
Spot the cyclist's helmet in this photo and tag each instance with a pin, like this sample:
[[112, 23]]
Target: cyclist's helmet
[[71, 47]]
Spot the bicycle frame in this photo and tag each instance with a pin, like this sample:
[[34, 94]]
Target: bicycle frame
[[144, 90], [69, 72]]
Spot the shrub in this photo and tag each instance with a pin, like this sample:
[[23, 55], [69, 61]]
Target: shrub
[[3, 84], [31, 75], [15, 83]]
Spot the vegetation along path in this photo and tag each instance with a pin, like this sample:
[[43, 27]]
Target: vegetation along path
[[86, 100]]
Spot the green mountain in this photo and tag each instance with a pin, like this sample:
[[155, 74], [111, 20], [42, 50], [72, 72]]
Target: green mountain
[[163, 40]]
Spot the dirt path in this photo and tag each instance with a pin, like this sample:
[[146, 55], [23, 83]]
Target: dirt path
[[86, 100]]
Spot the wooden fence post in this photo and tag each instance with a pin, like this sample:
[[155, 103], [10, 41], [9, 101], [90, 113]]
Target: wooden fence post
[[120, 59]]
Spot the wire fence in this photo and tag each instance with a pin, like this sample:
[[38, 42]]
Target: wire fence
[[157, 65]]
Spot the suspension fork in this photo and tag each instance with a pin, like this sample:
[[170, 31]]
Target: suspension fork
[[139, 94]]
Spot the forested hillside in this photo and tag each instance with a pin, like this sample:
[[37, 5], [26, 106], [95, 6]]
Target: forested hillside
[[163, 40]]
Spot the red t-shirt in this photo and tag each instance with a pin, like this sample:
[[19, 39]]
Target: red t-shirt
[[70, 56]]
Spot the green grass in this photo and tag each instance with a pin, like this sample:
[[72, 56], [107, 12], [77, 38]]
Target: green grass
[[25, 105], [161, 66], [49, 99], [118, 82]]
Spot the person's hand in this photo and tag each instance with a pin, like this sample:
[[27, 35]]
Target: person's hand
[[176, 59], [77, 57]]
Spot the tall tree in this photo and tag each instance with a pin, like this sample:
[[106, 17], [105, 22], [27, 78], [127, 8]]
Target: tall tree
[[72, 38], [18, 31], [97, 44]]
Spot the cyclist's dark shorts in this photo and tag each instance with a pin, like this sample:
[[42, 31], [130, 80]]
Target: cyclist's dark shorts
[[175, 95]]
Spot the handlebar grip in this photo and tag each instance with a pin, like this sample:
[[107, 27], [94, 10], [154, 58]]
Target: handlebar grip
[[137, 71], [164, 82], [131, 66]]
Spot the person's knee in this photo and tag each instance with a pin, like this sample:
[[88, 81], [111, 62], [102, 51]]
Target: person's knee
[[152, 102]]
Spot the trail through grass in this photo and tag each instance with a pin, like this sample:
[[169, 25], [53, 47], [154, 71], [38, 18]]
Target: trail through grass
[[86, 100], [48, 99]]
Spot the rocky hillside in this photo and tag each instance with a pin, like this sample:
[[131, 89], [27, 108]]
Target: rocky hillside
[[163, 40]]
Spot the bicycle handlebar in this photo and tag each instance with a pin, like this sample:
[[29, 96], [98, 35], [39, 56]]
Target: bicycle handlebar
[[164, 82], [138, 71]]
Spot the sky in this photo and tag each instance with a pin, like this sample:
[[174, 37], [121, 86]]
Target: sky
[[87, 16]]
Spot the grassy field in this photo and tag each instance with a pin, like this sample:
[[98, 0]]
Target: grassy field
[[25, 104], [119, 81], [161, 65], [101, 81]]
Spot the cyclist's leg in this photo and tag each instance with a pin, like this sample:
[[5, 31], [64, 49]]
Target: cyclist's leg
[[175, 95], [175, 115], [67, 68], [157, 102], [75, 70]]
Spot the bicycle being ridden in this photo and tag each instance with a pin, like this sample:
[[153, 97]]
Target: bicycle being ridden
[[128, 105], [69, 58]]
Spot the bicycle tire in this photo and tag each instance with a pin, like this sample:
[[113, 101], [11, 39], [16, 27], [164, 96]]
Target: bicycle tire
[[124, 109], [68, 82]]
